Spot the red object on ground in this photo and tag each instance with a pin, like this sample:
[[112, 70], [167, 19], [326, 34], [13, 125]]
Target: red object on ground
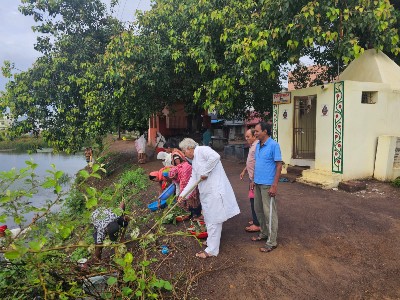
[[200, 235]]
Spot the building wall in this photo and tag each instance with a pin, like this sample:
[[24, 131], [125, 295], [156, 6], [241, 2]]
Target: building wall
[[4, 123], [362, 125]]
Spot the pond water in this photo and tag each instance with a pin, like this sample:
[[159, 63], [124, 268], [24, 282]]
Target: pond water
[[69, 164]]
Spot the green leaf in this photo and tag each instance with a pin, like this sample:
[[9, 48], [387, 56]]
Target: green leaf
[[167, 286], [158, 284], [3, 218], [91, 202], [111, 280], [138, 293], [66, 231], [95, 167], [265, 66], [35, 246], [91, 191], [58, 189], [95, 175], [59, 174], [145, 263], [17, 219], [49, 183], [12, 255], [126, 291], [128, 258], [85, 174], [130, 275]]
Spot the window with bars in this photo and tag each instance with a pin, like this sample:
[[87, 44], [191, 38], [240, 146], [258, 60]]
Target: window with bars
[[369, 97]]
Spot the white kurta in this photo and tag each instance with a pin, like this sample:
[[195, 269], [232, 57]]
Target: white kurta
[[217, 198]]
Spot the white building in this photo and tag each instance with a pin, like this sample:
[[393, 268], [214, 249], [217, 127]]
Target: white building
[[4, 123], [349, 129]]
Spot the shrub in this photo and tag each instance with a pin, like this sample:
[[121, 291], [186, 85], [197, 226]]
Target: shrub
[[45, 258], [75, 202], [396, 182]]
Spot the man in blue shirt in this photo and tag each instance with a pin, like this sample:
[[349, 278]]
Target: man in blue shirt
[[267, 171]]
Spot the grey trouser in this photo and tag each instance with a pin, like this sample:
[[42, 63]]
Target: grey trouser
[[266, 212]]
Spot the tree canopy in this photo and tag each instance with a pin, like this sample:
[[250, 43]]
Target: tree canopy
[[48, 97], [220, 55]]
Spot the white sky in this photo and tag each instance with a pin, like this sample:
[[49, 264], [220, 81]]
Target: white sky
[[17, 38]]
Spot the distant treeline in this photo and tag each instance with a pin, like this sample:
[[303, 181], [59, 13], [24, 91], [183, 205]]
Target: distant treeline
[[23, 144]]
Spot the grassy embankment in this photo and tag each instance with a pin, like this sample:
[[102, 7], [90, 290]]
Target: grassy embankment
[[23, 144]]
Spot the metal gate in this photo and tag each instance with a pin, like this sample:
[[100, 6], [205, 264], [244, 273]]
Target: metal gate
[[304, 129]]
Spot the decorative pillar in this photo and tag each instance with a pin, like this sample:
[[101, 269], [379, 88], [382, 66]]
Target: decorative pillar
[[275, 115], [338, 130]]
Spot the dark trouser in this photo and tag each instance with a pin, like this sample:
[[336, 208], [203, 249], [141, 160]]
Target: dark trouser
[[253, 213], [195, 211]]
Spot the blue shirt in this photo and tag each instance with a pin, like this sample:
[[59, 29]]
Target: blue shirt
[[266, 157]]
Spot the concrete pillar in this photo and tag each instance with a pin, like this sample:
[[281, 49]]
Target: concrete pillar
[[385, 157]]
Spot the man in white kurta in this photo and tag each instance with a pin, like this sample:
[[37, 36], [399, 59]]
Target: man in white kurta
[[217, 198]]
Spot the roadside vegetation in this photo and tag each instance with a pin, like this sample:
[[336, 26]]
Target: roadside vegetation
[[46, 255]]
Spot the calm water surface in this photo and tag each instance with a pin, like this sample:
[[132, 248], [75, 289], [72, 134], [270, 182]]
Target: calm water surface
[[69, 164]]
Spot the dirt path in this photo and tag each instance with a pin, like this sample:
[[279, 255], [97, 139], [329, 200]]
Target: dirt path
[[332, 245]]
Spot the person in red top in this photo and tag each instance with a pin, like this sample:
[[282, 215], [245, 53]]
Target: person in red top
[[159, 177], [180, 174]]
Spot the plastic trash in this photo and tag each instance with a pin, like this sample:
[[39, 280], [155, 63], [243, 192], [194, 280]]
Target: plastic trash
[[164, 249]]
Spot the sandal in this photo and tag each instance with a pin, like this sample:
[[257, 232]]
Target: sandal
[[250, 222], [253, 228], [203, 255], [258, 238], [204, 243], [267, 249]]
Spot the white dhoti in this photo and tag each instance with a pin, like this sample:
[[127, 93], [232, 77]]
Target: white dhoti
[[217, 198], [214, 238]]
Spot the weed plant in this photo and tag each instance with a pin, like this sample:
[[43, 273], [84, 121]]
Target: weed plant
[[396, 182]]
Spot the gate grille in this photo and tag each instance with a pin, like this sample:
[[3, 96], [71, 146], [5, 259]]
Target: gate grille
[[304, 130]]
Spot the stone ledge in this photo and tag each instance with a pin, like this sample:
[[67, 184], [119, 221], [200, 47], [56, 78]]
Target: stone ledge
[[297, 170], [320, 178], [352, 186]]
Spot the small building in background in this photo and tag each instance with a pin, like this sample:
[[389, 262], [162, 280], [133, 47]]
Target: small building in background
[[347, 129], [173, 122], [5, 123]]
